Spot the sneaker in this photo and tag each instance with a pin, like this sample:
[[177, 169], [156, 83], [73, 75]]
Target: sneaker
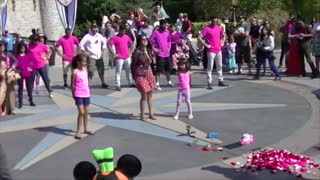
[[256, 78], [65, 85], [118, 88], [190, 116], [176, 117], [231, 71], [314, 75], [32, 104], [104, 86], [158, 88], [221, 84], [171, 85], [50, 95], [210, 86]]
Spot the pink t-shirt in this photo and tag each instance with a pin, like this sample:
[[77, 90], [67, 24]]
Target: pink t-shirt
[[213, 34], [37, 52], [184, 80], [67, 43], [121, 43], [24, 63], [161, 40], [81, 84]]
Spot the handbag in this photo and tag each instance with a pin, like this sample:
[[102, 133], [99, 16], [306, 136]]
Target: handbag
[[141, 71]]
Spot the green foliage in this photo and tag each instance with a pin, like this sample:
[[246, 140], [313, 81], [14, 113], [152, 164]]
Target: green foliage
[[93, 10], [199, 10], [196, 27], [306, 8]]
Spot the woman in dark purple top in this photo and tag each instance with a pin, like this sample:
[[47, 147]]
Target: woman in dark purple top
[[175, 37]]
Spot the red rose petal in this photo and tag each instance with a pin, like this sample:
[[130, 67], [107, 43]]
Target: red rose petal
[[279, 160], [233, 163]]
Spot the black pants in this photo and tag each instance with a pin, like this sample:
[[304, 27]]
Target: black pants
[[284, 53], [29, 84], [4, 169], [44, 75], [205, 58], [305, 51]]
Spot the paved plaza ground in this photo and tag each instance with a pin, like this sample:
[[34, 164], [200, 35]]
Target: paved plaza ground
[[282, 114]]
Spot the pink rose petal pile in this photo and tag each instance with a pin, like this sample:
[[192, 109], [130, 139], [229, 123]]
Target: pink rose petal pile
[[279, 160]]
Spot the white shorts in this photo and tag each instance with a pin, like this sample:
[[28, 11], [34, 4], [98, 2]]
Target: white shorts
[[66, 65]]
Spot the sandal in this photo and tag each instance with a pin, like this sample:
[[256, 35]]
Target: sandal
[[77, 136], [143, 118], [152, 117], [89, 133]]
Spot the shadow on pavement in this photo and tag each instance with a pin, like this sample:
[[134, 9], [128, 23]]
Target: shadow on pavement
[[317, 93], [112, 115], [239, 174], [56, 130]]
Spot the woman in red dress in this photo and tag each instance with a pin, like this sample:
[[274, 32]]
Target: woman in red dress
[[143, 76], [294, 64]]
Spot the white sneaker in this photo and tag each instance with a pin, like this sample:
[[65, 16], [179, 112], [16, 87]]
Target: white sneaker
[[158, 88], [190, 116], [231, 71], [171, 85], [50, 95], [176, 117]]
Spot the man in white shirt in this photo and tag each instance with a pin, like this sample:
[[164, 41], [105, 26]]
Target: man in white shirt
[[93, 44]]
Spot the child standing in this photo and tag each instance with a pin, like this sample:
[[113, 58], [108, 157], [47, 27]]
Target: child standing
[[184, 77], [25, 68], [81, 92], [316, 47], [231, 48]]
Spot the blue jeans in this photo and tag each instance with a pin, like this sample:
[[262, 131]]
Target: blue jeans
[[261, 57], [43, 72]]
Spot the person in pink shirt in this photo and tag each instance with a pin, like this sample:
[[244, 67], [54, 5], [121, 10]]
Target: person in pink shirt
[[67, 42], [38, 52], [213, 35], [161, 45], [184, 77], [122, 54], [25, 68], [81, 92]]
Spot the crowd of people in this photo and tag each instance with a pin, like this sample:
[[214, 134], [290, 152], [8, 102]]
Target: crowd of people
[[147, 47]]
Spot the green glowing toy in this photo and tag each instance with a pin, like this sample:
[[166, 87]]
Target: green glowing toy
[[104, 158]]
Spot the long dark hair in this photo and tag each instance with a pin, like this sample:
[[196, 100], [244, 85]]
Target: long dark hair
[[76, 59], [20, 46], [269, 32], [139, 42]]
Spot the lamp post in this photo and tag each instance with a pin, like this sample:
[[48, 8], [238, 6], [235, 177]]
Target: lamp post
[[234, 4]]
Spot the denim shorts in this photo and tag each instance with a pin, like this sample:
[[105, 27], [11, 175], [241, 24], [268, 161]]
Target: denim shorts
[[82, 101]]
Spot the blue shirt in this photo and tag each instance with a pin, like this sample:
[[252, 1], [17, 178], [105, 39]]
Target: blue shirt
[[9, 40]]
